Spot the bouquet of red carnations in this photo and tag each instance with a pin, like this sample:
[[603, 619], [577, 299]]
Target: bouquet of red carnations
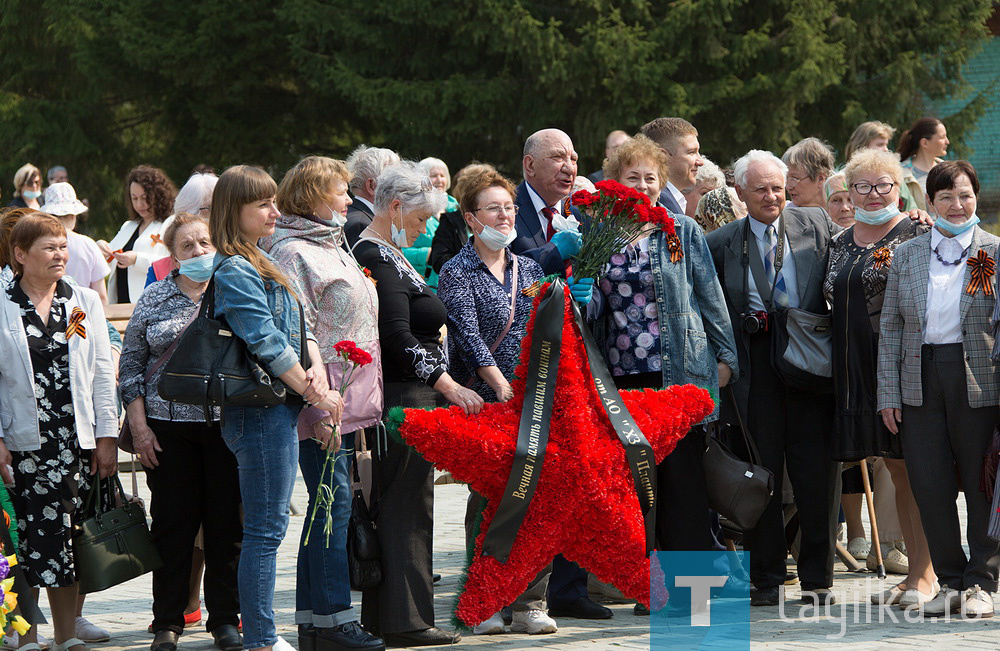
[[616, 215]]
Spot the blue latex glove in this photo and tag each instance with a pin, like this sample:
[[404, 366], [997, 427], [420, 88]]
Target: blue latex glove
[[581, 290], [568, 243]]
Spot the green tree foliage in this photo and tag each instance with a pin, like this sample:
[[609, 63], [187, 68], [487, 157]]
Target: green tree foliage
[[102, 85]]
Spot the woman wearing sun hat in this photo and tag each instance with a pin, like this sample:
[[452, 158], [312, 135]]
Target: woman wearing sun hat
[[86, 264]]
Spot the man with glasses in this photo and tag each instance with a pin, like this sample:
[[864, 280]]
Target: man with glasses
[[791, 428], [549, 166]]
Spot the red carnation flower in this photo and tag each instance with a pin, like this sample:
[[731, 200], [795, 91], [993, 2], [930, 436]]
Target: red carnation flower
[[345, 346], [359, 357], [584, 199]]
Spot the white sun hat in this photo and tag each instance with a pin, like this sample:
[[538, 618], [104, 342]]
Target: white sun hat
[[60, 199]]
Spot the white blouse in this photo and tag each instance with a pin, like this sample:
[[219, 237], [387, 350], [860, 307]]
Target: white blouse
[[148, 248]]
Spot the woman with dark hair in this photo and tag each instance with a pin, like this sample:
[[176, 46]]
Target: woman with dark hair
[[939, 383], [257, 301], [149, 199], [921, 147]]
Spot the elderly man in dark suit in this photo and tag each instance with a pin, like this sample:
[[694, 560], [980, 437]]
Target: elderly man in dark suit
[[679, 139], [365, 164], [791, 428], [549, 167]]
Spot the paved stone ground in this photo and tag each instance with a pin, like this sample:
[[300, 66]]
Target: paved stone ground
[[125, 610]]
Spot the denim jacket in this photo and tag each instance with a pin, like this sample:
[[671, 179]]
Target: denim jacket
[[261, 313], [695, 331]]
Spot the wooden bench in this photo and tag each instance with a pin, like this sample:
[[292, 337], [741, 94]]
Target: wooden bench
[[119, 314]]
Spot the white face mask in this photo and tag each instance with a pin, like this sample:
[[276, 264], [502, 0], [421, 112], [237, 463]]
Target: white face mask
[[876, 217], [335, 217], [494, 239]]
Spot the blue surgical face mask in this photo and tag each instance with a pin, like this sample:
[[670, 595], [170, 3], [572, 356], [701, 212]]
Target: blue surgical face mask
[[876, 217], [494, 239], [31, 194], [943, 224], [398, 234], [198, 269]]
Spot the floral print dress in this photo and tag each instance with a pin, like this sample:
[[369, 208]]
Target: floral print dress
[[49, 483]]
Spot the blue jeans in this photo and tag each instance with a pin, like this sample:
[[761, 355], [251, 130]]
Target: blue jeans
[[266, 445], [322, 586]]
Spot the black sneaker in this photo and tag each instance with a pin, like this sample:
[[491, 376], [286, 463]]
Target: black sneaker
[[764, 597], [347, 637]]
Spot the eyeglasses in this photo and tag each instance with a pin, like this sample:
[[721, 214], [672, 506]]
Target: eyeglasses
[[866, 188], [494, 209]]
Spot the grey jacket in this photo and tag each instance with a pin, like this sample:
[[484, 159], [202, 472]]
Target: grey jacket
[[904, 312], [809, 233]]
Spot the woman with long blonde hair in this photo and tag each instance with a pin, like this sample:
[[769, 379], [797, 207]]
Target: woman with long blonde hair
[[256, 300]]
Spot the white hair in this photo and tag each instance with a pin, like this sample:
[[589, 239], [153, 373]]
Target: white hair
[[742, 166], [430, 163], [195, 194], [408, 181], [710, 172], [368, 163]]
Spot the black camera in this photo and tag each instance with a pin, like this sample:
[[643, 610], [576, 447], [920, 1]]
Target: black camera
[[754, 322]]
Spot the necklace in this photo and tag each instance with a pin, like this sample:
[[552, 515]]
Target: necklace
[[866, 244], [951, 264]]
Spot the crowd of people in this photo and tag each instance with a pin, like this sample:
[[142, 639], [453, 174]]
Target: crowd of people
[[432, 285]]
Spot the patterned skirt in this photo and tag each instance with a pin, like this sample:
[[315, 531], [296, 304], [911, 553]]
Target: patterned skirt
[[50, 485]]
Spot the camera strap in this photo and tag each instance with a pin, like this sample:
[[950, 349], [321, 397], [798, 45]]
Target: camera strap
[[752, 262]]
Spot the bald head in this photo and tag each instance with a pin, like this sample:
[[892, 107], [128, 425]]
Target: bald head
[[549, 164], [614, 140]]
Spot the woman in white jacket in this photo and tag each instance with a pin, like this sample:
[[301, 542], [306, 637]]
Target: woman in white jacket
[[58, 422], [149, 197]]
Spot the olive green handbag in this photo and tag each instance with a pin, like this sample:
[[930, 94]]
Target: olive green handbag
[[112, 545]]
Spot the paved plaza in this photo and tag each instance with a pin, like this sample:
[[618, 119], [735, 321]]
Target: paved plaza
[[125, 610]]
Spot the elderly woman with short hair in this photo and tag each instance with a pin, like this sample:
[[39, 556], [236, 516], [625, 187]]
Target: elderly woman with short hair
[[838, 200], [810, 163], [861, 259], [60, 427], [709, 177], [939, 383], [410, 318]]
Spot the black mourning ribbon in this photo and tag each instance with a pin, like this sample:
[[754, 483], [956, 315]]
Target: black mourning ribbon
[[533, 430]]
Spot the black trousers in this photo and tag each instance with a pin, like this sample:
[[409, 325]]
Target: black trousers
[[941, 435], [405, 599], [196, 485], [683, 517], [792, 430]]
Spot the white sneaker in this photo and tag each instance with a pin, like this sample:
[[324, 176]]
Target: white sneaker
[[533, 622], [89, 632], [12, 641], [282, 645], [978, 603], [947, 600], [492, 626], [887, 597]]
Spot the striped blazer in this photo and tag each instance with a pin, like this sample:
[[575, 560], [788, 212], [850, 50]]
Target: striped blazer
[[904, 313]]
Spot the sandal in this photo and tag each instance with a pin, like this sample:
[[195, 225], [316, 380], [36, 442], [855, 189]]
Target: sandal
[[30, 647], [68, 644]]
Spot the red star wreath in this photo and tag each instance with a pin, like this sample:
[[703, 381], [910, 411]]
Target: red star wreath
[[585, 506]]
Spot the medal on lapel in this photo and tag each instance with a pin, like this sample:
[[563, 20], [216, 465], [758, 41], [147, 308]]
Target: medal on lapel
[[982, 267], [75, 326]]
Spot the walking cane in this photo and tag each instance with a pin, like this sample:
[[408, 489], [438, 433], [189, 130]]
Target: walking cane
[[871, 516]]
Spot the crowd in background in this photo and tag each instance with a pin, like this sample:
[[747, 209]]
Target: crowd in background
[[426, 271]]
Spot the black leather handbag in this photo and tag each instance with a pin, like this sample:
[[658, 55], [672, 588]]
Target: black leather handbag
[[738, 490], [213, 368], [112, 545], [364, 558]]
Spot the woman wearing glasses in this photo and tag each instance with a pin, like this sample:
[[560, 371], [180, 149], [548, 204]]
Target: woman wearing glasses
[[861, 258], [487, 315], [939, 384]]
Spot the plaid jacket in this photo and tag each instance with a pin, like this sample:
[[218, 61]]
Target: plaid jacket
[[903, 320]]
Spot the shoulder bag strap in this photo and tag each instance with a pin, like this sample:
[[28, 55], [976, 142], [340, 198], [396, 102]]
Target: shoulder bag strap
[[173, 346], [747, 439], [513, 306]]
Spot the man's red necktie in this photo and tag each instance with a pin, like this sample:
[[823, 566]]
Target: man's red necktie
[[550, 230]]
